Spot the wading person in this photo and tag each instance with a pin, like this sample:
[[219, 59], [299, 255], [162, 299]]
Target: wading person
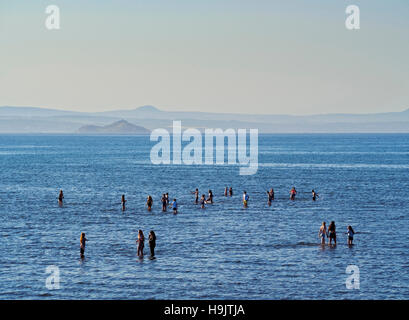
[[245, 199], [322, 233], [152, 242], [202, 201], [60, 198], [164, 203], [196, 193], [141, 243], [123, 201], [331, 233], [293, 192], [350, 233], [231, 192], [210, 197], [149, 203], [314, 195], [270, 196], [175, 206], [83, 240]]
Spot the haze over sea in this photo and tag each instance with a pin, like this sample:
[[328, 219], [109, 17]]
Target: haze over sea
[[222, 252]]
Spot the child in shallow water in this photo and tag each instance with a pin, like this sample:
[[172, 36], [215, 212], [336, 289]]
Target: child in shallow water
[[202, 201], [175, 206]]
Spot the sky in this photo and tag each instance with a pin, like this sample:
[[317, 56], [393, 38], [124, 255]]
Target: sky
[[236, 56]]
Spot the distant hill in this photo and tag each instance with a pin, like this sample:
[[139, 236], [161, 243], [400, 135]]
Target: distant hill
[[41, 120], [118, 127]]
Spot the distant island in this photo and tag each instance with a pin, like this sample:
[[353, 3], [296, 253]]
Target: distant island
[[118, 127]]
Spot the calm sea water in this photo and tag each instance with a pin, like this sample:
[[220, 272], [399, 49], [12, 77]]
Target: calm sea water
[[222, 252]]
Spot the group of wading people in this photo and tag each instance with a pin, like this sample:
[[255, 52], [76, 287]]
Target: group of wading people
[[323, 233], [331, 234]]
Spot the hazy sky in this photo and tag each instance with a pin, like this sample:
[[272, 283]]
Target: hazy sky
[[255, 56]]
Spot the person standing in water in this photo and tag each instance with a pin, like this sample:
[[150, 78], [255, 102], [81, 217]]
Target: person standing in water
[[245, 199], [293, 192], [231, 192], [141, 243], [82, 244], [270, 196], [225, 191], [196, 193], [350, 233], [152, 242], [314, 195], [164, 203], [322, 233], [202, 201], [123, 202], [175, 206], [167, 198], [210, 197], [331, 232], [60, 198], [149, 203]]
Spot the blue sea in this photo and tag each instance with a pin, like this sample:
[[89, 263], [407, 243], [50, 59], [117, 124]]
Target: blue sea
[[222, 252]]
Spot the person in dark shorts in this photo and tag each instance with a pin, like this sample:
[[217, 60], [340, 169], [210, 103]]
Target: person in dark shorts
[[350, 233], [152, 242], [175, 206], [82, 244], [202, 201], [231, 192], [331, 233]]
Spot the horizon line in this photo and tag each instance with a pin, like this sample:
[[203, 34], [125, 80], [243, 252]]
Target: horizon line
[[210, 112]]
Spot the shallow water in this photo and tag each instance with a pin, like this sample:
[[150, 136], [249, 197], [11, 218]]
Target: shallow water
[[222, 252]]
